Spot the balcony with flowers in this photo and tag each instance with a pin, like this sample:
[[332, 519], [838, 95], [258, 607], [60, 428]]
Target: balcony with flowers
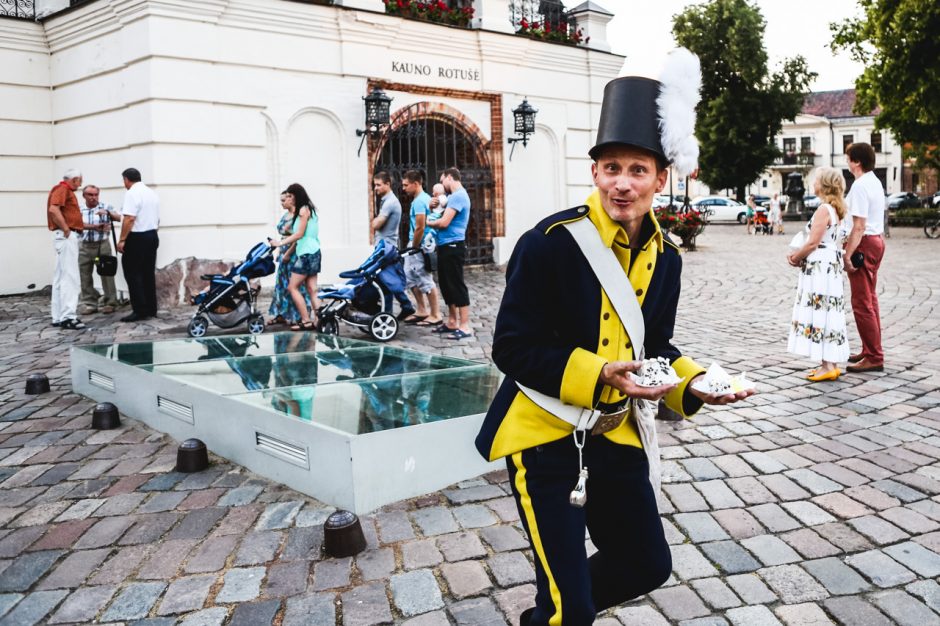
[[546, 20], [449, 12]]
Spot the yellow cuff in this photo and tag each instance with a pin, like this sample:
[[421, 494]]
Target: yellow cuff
[[579, 381], [684, 404]]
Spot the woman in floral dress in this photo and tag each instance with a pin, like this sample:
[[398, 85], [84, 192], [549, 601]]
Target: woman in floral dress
[[282, 307], [818, 328]]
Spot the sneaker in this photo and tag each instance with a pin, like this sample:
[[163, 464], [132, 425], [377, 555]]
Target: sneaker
[[72, 324]]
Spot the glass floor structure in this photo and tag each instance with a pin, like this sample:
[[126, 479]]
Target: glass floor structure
[[351, 422]]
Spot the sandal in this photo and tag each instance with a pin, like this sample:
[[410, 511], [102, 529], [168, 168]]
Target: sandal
[[275, 321], [427, 324], [415, 319], [442, 328], [308, 325], [458, 335]]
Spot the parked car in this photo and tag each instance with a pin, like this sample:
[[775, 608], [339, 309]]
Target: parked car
[[811, 202], [904, 200], [933, 201], [761, 200], [721, 209]]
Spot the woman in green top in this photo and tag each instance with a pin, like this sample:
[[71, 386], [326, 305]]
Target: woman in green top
[[306, 267]]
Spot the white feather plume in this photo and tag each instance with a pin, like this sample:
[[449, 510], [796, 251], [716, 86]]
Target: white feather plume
[[681, 81]]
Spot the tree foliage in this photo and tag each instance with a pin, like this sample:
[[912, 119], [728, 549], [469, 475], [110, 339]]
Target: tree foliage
[[743, 104], [898, 42]]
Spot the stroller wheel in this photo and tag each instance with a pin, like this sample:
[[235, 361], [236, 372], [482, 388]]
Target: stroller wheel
[[329, 326], [198, 326], [383, 327], [256, 324]]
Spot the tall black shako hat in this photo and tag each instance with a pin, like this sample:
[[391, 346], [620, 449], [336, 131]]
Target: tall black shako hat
[[655, 115]]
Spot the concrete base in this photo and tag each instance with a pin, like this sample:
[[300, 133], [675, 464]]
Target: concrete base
[[355, 472]]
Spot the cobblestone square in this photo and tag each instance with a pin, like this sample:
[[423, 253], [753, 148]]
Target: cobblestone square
[[810, 503]]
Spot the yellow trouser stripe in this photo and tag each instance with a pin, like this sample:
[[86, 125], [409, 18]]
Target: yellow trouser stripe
[[526, 503]]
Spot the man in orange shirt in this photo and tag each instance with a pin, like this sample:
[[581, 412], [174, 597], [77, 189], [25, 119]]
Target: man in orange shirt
[[65, 221]]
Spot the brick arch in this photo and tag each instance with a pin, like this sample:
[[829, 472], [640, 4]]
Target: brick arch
[[484, 179], [493, 146]]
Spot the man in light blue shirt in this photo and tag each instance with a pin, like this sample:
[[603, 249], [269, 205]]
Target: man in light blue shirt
[[451, 255], [418, 276]]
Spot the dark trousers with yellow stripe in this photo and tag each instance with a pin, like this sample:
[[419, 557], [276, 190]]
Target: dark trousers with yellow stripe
[[632, 555]]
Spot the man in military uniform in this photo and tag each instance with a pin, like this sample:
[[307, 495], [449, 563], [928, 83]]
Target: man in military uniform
[[579, 352]]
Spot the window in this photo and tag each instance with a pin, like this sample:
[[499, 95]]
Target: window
[[847, 140], [876, 141], [806, 145], [789, 144]]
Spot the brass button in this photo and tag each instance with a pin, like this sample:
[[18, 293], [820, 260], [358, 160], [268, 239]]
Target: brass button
[[604, 342], [649, 266], [606, 316], [639, 292]]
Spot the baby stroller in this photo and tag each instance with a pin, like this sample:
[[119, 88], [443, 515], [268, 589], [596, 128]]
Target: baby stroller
[[365, 300], [762, 222], [230, 299]]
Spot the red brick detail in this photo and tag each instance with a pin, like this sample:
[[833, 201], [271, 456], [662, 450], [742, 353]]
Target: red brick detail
[[490, 150]]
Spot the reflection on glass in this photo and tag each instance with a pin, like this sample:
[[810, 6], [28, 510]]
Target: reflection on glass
[[255, 373], [208, 348], [377, 404]]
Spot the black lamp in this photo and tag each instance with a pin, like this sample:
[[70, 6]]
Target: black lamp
[[377, 115], [524, 124]]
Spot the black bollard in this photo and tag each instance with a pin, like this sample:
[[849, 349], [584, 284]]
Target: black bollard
[[105, 417], [192, 456], [36, 384], [342, 535]]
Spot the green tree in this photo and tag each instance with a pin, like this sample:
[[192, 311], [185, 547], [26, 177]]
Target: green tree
[[898, 42], [743, 104]]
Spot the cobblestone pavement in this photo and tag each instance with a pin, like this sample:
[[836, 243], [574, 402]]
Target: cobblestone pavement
[[809, 504]]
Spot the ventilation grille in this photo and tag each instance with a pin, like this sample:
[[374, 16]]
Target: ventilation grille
[[292, 453], [100, 380], [176, 409]]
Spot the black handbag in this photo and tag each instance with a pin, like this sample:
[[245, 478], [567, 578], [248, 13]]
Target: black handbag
[[107, 264], [857, 259], [430, 261]]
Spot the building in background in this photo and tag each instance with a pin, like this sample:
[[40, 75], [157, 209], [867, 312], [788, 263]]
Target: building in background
[[818, 138], [223, 103]]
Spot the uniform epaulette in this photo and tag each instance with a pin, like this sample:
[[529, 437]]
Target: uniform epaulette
[[669, 242], [562, 217]]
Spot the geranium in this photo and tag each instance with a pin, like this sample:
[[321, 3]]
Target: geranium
[[431, 10], [560, 32]]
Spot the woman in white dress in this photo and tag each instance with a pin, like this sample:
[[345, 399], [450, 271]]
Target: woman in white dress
[[818, 328]]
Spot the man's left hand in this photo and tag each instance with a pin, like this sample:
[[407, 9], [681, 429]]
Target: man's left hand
[[713, 398], [120, 247]]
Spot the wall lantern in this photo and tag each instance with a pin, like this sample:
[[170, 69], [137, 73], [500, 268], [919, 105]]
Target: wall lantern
[[524, 115], [377, 106]]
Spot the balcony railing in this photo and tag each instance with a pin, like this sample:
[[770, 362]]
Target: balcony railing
[[797, 159], [544, 19], [19, 9], [450, 12]]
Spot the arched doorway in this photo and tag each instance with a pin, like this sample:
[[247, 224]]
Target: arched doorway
[[430, 141]]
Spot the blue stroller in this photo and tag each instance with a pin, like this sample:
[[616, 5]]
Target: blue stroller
[[365, 300], [230, 299]]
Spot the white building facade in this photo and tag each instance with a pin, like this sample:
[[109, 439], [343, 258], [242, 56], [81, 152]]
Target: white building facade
[[223, 103], [818, 137]]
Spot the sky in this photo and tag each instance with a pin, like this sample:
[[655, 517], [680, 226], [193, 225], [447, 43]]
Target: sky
[[793, 27]]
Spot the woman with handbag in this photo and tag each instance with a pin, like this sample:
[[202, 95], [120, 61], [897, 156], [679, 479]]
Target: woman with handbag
[[818, 330], [282, 307], [305, 266]]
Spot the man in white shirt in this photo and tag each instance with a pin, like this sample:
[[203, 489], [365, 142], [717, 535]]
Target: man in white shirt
[[138, 243], [866, 201]]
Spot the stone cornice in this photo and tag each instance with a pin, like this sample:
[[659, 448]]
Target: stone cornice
[[22, 35]]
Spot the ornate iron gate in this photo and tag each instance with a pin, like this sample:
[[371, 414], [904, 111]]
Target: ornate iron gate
[[430, 143]]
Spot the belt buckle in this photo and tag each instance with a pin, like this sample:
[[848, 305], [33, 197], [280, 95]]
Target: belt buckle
[[609, 421]]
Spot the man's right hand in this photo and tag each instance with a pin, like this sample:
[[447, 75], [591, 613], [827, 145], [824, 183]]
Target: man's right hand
[[617, 375]]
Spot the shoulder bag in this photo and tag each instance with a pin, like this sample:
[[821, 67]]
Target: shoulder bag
[[107, 264]]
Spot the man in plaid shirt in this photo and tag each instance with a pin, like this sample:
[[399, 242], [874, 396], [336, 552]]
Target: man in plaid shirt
[[96, 240]]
